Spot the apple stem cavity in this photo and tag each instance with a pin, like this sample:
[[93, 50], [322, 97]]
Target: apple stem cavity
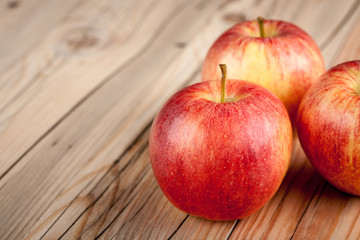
[[223, 78], [261, 26]]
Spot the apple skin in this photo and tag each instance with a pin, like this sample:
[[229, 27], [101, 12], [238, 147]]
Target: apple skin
[[286, 61], [221, 161], [329, 126]]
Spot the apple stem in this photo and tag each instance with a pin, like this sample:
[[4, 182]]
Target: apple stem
[[223, 78], [261, 26]]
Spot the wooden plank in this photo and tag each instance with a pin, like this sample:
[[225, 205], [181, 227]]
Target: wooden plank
[[192, 223], [350, 50], [324, 212], [335, 39], [70, 67], [67, 183], [24, 23], [101, 128], [121, 198], [132, 214], [48, 72], [198, 228]]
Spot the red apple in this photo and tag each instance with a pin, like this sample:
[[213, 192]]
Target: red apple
[[285, 60], [221, 160], [329, 126]]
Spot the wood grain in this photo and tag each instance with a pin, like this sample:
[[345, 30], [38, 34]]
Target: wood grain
[[351, 48], [24, 23], [60, 158], [76, 105], [79, 54]]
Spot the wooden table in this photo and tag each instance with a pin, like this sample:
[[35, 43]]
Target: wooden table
[[80, 82]]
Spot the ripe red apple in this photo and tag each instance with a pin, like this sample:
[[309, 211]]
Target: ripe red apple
[[329, 126], [283, 59], [221, 158]]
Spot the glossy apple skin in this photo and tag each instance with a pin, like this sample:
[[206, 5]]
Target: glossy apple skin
[[221, 161], [329, 126], [286, 62]]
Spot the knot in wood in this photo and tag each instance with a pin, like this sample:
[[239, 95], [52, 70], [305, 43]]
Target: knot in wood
[[83, 39], [234, 17]]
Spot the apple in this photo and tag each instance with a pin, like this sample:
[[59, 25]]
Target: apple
[[221, 152], [274, 54], [329, 126]]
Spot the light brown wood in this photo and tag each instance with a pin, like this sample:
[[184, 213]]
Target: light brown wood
[[350, 50], [24, 23], [76, 105], [80, 53]]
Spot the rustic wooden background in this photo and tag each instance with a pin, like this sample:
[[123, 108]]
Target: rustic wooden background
[[80, 82]]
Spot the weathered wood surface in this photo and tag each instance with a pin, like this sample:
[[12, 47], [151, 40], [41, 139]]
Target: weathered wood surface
[[80, 82]]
